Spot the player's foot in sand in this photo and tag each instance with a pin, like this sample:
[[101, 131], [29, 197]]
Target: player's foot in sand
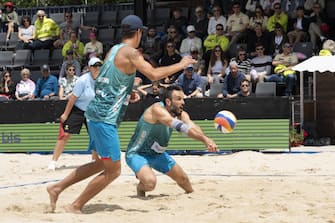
[[53, 195], [140, 193], [70, 209]]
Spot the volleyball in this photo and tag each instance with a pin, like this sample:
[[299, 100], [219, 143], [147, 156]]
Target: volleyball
[[225, 121]]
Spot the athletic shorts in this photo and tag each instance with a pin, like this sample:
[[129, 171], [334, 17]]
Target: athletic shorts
[[75, 121], [162, 162], [104, 139]]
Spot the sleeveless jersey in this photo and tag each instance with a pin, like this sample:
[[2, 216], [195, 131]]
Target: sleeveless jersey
[[149, 139], [112, 92]]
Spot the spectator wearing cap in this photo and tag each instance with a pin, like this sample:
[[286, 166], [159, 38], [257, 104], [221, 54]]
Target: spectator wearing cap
[[190, 82], [70, 60], [10, 20], [75, 45], [93, 48], [200, 22], [47, 31], [190, 41], [47, 85]]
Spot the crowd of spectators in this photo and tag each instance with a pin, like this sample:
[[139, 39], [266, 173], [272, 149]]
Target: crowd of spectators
[[237, 44]]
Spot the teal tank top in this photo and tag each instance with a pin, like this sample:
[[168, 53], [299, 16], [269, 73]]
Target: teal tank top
[[112, 92], [149, 139]]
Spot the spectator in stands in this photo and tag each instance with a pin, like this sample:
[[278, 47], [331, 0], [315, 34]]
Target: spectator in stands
[[190, 82], [268, 6], [190, 41], [290, 7], [300, 27], [277, 39], [10, 20], [68, 26], [66, 84], [277, 17], [217, 18], [213, 40], [217, 39], [47, 31], [151, 91], [26, 87], [200, 22], [152, 44], [237, 24], [243, 62], [250, 7], [245, 89], [93, 48], [47, 85], [70, 60], [317, 20], [255, 36], [283, 64], [215, 73], [7, 86], [73, 118], [178, 21], [26, 33], [200, 65], [258, 18], [309, 5], [231, 83], [328, 48], [261, 64], [211, 4], [170, 57], [174, 36], [75, 45]]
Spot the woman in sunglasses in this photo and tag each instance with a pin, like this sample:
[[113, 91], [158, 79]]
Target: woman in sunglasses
[[7, 87]]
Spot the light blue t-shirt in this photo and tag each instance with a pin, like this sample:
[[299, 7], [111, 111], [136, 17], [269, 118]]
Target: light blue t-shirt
[[112, 92], [84, 91]]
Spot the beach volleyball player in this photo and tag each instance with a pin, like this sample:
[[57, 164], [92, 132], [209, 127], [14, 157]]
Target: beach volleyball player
[[146, 149], [113, 88]]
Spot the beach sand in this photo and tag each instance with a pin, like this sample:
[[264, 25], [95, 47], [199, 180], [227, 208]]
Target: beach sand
[[248, 187]]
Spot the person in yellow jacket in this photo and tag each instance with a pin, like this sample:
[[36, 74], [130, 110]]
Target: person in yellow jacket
[[75, 45], [278, 17], [47, 31], [213, 40]]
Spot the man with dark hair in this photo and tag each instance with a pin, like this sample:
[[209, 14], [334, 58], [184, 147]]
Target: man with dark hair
[[146, 149], [113, 88]]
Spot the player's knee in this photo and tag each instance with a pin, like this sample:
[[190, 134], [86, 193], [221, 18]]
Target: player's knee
[[183, 179], [149, 183]]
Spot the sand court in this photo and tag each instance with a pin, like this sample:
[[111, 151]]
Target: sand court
[[240, 187]]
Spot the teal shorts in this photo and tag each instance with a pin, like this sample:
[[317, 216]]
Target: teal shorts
[[104, 139], [162, 162]]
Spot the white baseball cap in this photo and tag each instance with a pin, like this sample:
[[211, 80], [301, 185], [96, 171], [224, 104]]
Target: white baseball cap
[[93, 61]]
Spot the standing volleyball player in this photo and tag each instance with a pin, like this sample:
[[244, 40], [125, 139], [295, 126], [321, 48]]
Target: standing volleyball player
[[113, 88], [147, 146]]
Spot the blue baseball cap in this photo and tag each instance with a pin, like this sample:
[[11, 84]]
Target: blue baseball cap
[[134, 22]]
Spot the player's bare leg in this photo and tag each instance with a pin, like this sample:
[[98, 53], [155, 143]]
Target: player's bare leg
[[147, 180], [77, 175], [112, 169], [178, 175]]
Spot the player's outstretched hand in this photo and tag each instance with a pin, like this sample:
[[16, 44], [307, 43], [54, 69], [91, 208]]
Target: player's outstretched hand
[[187, 60], [211, 146]]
